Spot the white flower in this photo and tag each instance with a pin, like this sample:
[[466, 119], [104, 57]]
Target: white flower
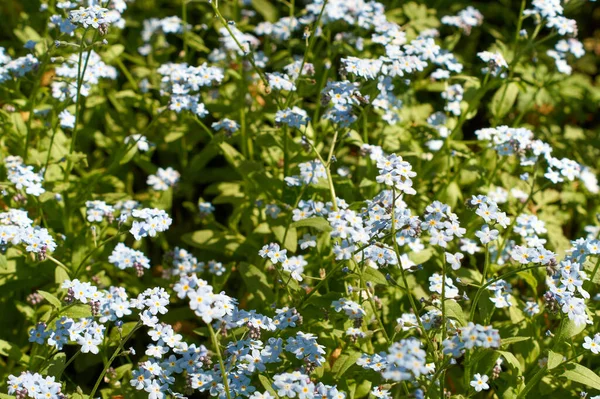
[[480, 382]]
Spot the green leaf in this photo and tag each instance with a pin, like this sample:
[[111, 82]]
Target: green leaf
[[12, 351], [128, 156], [173, 136], [530, 279], [266, 9], [581, 374], [196, 42], [77, 311], [504, 99], [54, 301], [512, 360], [455, 311], [512, 340], [374, 276], [126, 328], [318, 223], [267, 385], [554, 359], [568, 329], [344, 362], [422, 256], [291, 237], [122, 370], [60, 275], [18, 124], [256, 281], [56, 365], [212, 240], [113, 52]]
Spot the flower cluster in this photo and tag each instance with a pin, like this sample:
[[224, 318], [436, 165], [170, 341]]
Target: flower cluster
[[153, 221], [352, 309], [466, 19], [182, 83], [293, 117], [165, 25], [448, 289], [124, 257], [310, 173], [23, 176], [509, 141], [342, 96], [405, 361], [17, 68], [98, 210], [496, 62], [93, 16], [35, 386], [226, 124], [67, 86], [442, 224], [329, 140], [16, 228], [397, 173], [469, 337], [163, 179], [299, 384]]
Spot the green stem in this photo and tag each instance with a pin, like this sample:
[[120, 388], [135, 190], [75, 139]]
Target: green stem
[[80, 75], [113, 357], [34, 91], [307, 49], [204, 127], [372, 303], [328, 171], [532, 382], [261, 74], [413, 305], [492, 281], [70, 361], [595, 270], [58, 263], [184, 23], [215, 342], [123, 68], [50, 149], [93, 251]]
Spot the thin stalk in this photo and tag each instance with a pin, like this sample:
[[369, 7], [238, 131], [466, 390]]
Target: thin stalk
[[372, 303], [482, 284], [261, 74], [595, 270], [93, 251], [492, 281], [113, 357], [58, 263], [215, 342], [328, 171], [331, 273], [34, 91], [204, 127], [326, 165], [127, 74], [184, 23], [50, 149], [413, 305], [307, 50], [80, 74]]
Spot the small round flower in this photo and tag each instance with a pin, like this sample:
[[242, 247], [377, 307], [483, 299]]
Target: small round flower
[[479, 382], [592, 344]]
